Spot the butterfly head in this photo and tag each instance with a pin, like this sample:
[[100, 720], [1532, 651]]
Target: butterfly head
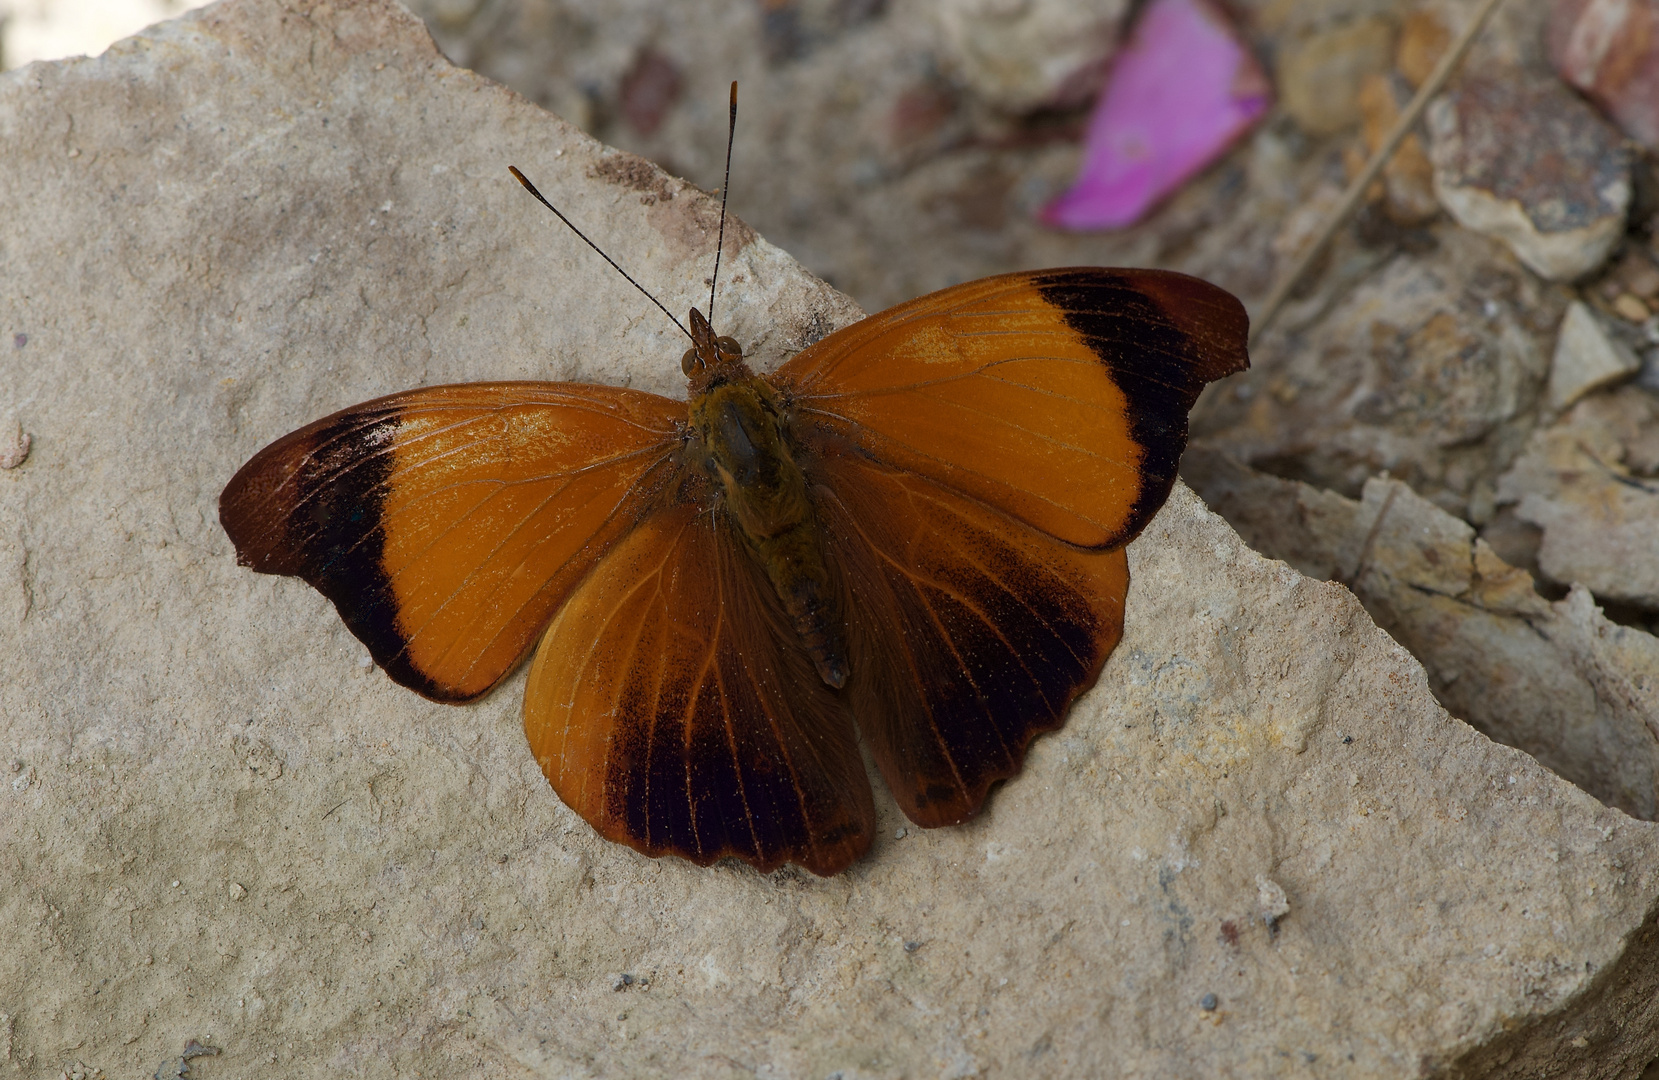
[[711, 360]]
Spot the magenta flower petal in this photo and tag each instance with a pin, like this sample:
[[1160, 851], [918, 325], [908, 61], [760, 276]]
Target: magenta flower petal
[[1180, 92]]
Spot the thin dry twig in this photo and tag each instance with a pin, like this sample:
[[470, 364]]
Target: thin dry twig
[[1356, 190]]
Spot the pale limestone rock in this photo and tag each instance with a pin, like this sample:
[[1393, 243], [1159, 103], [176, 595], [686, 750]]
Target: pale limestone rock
[[274, 211], [1578, 481], [1543, 677], [1586, 357]]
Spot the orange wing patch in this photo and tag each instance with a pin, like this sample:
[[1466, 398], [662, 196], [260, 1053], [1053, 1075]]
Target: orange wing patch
[[447, 524], [671, 705], [1058, 396]]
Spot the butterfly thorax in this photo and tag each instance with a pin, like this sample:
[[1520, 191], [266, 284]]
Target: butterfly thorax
[[740, 439]]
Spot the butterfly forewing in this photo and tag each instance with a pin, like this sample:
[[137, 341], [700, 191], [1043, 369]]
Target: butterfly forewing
[[447, 524], [671, 705], [1059, 396]]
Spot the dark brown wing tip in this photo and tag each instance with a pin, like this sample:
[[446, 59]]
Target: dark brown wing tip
[[254, 508], [1212, 319]]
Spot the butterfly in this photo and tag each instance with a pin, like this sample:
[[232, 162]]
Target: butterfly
[[911, 533]]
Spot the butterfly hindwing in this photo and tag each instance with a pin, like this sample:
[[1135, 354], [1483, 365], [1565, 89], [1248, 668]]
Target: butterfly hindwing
[[448, 523], [1058, 396], [671, 705], [974, 633]]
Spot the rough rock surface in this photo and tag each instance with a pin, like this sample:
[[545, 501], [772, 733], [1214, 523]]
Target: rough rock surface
[[1591, 483], [1526, 161], [1431, 368], [221, 826], [1557, 680]]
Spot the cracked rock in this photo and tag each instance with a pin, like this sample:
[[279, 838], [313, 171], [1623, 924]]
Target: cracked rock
[[1591, 483], [1554, 679]]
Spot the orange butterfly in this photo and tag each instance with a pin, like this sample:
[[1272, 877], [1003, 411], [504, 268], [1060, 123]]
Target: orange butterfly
[[914, 529]]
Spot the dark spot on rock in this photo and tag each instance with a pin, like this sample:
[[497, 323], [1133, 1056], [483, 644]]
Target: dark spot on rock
[[633, 171]]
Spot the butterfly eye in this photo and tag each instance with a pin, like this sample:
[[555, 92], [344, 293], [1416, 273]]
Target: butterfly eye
[[689, 362], [729, 346]]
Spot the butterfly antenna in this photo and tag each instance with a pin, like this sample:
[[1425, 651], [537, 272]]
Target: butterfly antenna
[[531, 188], [725, 185]]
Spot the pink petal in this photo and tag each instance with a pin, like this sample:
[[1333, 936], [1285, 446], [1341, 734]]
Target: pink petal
[[1181, 91]]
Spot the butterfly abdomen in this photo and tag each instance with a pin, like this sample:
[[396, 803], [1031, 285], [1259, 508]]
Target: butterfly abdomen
[[741, 441]]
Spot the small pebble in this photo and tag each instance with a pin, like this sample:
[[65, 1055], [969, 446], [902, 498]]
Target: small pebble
[[1639, 274], [13, 455], [912, 946], [1207, 1003], [1631, 308], [900, 834]]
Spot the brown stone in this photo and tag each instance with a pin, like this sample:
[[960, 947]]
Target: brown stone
[[1637, 273], [1528, 162]]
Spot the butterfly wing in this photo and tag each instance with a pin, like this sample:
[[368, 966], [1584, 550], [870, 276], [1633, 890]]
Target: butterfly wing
[[973, 632], [1057, 396], [981, 456], [671, 705], [447, 524]]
